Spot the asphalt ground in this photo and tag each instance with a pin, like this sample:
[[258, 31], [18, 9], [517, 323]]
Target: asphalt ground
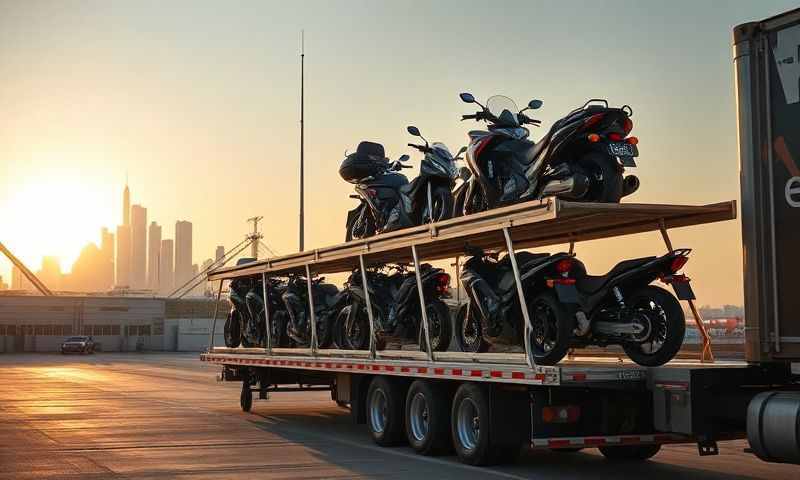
[[157, 416]]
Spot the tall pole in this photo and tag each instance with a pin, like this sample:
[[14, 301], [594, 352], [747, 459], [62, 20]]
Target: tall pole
[[302, 139]]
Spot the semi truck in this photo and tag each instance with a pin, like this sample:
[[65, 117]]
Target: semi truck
[[487, 407]]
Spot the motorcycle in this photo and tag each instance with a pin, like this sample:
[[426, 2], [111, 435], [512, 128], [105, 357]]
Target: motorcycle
[[621, 307], [581, 158], [387, 200], [394, 297], [494, 302], [245, 323], [295, 300]]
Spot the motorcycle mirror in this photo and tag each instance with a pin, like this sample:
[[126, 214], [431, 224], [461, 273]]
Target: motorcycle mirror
[[461, 150], [535, 104], [413, 131], [464, 173], [403, 158], [467, 97]]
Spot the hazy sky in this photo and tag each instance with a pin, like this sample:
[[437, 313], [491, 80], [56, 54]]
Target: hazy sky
[[198, 103]]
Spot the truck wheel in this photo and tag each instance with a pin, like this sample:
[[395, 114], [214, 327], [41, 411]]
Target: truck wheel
[[385, 411], [476, 436], [428, 418], [630, 452], [246, 398]]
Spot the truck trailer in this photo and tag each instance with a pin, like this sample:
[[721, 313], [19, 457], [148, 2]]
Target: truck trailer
[[487, 407]]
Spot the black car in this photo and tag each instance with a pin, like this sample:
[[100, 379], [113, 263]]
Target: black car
[[82, 344]]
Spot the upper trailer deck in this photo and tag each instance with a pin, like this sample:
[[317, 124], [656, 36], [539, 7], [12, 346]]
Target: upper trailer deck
[[530, 224]]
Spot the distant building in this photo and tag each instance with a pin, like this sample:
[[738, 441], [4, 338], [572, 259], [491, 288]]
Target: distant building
[[18, 280], [183, 252], [50, 274], [123, 263], [138, 247], [107, 254], [199, 286], [166, 269], [84, 276], [153, 255], [126, 206], [3, 285], [207, 286], [219, 253]]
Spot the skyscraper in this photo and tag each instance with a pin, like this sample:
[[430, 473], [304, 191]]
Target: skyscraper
[[138, 247], [220, 252], [107, 254], [166, 270], [123, 256], [153, 254], [126, 205], [183, 252]]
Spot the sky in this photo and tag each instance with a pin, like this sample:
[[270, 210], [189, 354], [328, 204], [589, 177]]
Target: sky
[[197, 103]]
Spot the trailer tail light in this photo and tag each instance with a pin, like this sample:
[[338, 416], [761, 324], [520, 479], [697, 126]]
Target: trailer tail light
[[564, 265], [565, 414], [443, 283], [678, 263]]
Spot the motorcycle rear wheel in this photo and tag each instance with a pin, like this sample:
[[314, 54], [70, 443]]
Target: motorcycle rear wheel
[[358, 337], [361, 229], [469, 332], [233, 330], [441, 328], [280, 322], [667, 326], [605, 177]]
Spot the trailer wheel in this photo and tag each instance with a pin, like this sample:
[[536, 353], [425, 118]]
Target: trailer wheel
[[385, 411], [629, 452], [428, 418], [246, 398], [477, 437]]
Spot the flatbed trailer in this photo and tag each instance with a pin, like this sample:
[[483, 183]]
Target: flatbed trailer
[[624, 409], [487, 406]]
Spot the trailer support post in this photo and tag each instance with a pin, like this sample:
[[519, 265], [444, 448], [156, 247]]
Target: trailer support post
[[312, 316], [422, 304], [523, 305], [214, 321], [267, 329], [365, 283], [706, 355]]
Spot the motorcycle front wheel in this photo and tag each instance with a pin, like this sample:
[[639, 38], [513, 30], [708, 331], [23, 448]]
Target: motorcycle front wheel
[[357, 336], [280, 322], [605, 177], [469, 333], [441, 328], [442, 199], [661, 314]]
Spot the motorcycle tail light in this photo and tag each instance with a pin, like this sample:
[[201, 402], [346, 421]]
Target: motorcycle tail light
[[552, 282], [593, 137], [615, 137], [627, 125], [632, 140], [564, 266], [443, 282], [678, 263], [566, 414]]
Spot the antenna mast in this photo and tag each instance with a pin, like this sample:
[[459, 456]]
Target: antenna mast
[[302, 139]]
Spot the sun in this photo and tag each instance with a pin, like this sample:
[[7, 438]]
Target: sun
[[54, 214]]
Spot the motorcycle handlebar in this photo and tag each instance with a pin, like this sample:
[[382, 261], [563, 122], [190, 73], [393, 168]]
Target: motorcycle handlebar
[[469, 117]]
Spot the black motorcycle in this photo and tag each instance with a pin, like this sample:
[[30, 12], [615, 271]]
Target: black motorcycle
[[581, 158], [387, 200], [245, 324], [622, 308], [326, 305], [493, 309], [396, 308]]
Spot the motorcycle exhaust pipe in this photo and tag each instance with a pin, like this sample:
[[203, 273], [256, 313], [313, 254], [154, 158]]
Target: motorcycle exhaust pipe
[[629, 185], [574, 186]]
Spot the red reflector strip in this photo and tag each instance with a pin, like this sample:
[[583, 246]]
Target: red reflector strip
[[456, 372], [578, 377], [475, 373], [496, 374], [517, 375], [438, 371]]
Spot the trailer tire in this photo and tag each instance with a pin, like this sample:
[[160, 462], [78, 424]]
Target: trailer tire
[[629, 452], [246, 397], [385, 410], [428, 418], [477, 437]]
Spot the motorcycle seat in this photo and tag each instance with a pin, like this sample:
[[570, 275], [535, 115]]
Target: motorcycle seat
[[537, 148], [593, 283]]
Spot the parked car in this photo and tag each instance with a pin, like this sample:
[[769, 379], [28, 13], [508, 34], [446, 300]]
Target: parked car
[[82, 344]]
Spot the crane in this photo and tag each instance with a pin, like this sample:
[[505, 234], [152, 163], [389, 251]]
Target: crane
[[25, 271]]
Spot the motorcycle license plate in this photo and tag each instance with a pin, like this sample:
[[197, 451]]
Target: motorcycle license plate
[[567, 293], [622, 149], [683, 290]]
